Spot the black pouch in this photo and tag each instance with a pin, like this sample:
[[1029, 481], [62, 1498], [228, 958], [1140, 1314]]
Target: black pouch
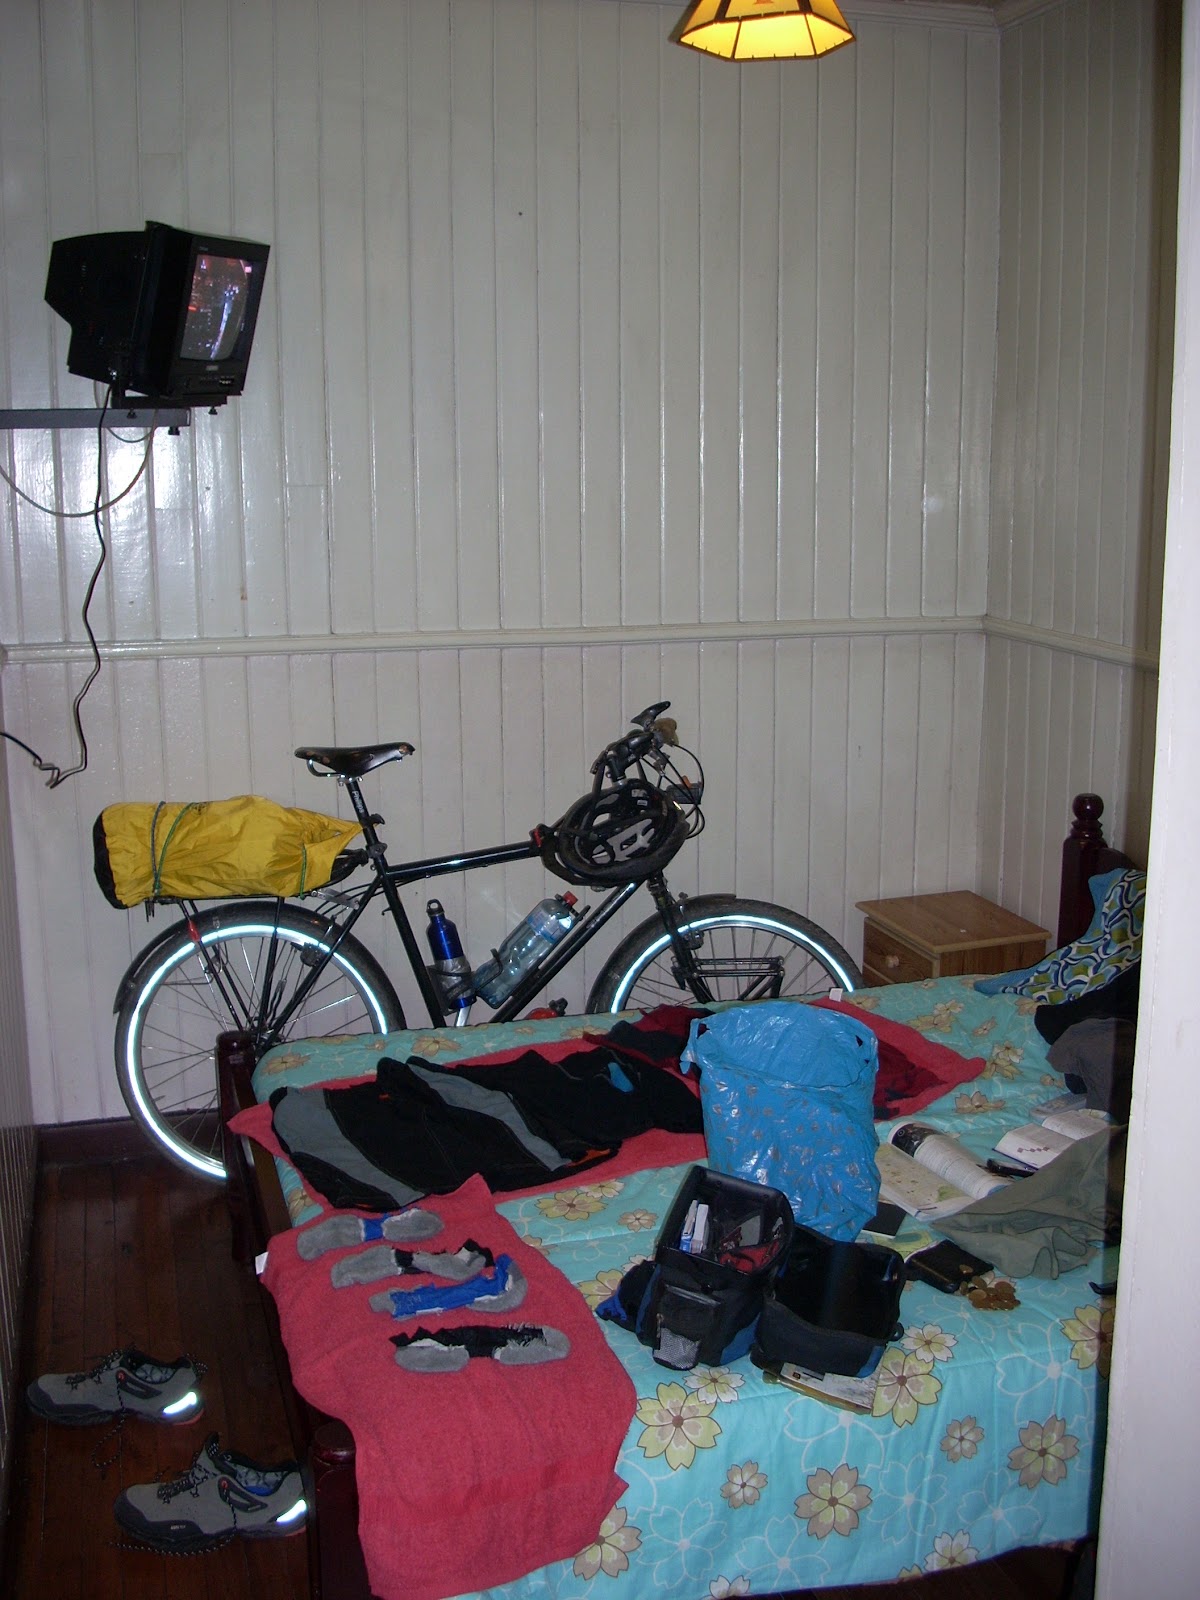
[[833, 1307], [947, 1266], [707, 1286]]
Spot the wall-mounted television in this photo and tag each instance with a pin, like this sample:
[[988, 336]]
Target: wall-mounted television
[[165, 313]]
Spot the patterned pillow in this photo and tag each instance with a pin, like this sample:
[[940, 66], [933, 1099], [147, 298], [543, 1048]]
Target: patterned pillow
[[1112, 943]]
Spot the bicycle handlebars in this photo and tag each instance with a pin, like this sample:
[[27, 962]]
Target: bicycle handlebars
[[615, 760]]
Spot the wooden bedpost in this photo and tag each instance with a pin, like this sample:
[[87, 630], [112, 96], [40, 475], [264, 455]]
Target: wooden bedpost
[[334, 1547], [1081, 852], [235, 1064]]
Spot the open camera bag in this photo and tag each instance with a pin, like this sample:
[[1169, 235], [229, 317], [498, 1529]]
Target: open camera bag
[[833, 1307], [702, 1304]]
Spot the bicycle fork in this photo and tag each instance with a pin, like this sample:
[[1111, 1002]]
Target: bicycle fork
[[688, 968]]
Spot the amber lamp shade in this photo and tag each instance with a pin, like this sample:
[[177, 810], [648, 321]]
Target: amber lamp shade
[[763, 30]]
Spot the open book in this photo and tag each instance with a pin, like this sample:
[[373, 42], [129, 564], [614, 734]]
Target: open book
[[1039, 1142], [930, 1174]]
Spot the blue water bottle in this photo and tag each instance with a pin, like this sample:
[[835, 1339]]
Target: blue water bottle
[[450, 968]]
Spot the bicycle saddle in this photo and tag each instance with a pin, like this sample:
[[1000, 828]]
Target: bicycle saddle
[[354, 760]]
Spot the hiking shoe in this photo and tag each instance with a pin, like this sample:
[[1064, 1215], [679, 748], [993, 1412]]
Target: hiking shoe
[[122, 1384], [221, 1495]]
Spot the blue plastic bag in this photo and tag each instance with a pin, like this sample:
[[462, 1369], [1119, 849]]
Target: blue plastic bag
[[786, 1091]]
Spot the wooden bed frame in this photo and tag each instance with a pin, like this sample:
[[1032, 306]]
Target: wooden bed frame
[[257, 1211], [1085, 853]]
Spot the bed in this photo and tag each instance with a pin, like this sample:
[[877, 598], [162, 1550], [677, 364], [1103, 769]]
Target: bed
[[985, 1435]]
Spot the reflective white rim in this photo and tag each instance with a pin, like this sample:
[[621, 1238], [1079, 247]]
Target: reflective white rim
[[208, 1166], [730, 920]]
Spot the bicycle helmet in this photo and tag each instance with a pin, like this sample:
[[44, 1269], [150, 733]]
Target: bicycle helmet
[[617, 835]]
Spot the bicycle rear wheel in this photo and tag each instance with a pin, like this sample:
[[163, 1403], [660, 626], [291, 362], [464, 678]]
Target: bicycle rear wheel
[[744, 950], [234, 968]]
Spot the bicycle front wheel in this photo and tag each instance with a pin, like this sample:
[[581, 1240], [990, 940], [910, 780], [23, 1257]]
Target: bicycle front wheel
[[742, 949], [232, 969]]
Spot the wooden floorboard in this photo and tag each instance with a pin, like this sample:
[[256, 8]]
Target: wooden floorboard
[[136, 1252]]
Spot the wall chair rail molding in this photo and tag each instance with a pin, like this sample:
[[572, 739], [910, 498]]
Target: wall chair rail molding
[[492, 639], [1075, 644], [52, 653]]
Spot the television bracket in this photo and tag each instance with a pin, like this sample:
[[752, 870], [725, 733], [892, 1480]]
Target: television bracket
[[122, 416]]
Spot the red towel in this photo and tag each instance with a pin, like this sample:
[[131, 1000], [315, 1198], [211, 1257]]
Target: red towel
[[472, 1478], [913, 1070]]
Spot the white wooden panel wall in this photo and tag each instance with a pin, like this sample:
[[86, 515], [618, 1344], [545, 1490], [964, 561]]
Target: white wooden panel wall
[[17, 1142], [587, 371], [1089, 111], [836, 768]]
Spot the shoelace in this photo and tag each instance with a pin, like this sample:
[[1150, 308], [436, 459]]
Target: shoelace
[[105, 1364], [189, 1481], [167, 1491], [114, 1359]]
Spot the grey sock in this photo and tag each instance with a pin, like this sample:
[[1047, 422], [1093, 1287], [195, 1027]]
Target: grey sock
[[364, 1266], [454, 1266], [450, 1349], [509, 1293], [546, 1344], [338, 1232], [385, 1261], [427, 1355]]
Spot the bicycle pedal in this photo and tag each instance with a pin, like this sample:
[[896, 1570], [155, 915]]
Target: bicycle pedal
[[555, 1008]]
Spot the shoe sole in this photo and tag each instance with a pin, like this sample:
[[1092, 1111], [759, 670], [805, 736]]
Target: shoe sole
[[183, 1544], [90, 1416]]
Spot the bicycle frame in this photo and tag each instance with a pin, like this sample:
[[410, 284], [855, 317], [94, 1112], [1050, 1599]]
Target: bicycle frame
[[388, 879]]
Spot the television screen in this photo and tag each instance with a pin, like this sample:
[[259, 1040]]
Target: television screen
[[165, 313], [217, 305]]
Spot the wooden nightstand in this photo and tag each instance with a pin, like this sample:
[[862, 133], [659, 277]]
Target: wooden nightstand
[[943, 935]]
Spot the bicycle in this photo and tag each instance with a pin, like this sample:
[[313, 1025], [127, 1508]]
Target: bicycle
[[277, 970]]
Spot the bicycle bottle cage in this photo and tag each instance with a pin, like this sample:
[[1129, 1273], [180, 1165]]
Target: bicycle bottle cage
[[615, 835]]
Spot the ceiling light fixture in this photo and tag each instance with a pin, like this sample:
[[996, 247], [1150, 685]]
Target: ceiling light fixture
[[763, 30]]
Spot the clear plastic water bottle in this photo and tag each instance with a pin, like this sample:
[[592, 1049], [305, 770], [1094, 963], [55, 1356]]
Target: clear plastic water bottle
[[450, 967], [549, 921]]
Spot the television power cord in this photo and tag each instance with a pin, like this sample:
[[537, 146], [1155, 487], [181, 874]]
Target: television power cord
[[56, 773]]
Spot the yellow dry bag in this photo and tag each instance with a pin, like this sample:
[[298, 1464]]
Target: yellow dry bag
[[213, 849]]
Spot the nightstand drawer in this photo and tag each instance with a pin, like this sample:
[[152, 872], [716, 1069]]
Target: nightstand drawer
[[887, 959], [944, 935]]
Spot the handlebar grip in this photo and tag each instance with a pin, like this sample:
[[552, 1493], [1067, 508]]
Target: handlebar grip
[[645, 719]]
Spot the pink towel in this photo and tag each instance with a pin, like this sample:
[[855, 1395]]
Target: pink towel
[[471, 1478]]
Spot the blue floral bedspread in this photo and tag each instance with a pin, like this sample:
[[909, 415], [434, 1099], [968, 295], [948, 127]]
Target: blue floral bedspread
[[988, 1425]]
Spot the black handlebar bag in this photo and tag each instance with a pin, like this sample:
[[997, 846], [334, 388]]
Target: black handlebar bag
[[833, 1307], [699, 1299]]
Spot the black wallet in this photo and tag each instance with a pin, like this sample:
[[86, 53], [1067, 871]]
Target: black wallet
[[946, 1265]]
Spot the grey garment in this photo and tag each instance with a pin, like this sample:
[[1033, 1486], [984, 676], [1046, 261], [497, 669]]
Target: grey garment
[[466, 1095], [1051, 1221], [303, 1122], [1099, 1052]]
